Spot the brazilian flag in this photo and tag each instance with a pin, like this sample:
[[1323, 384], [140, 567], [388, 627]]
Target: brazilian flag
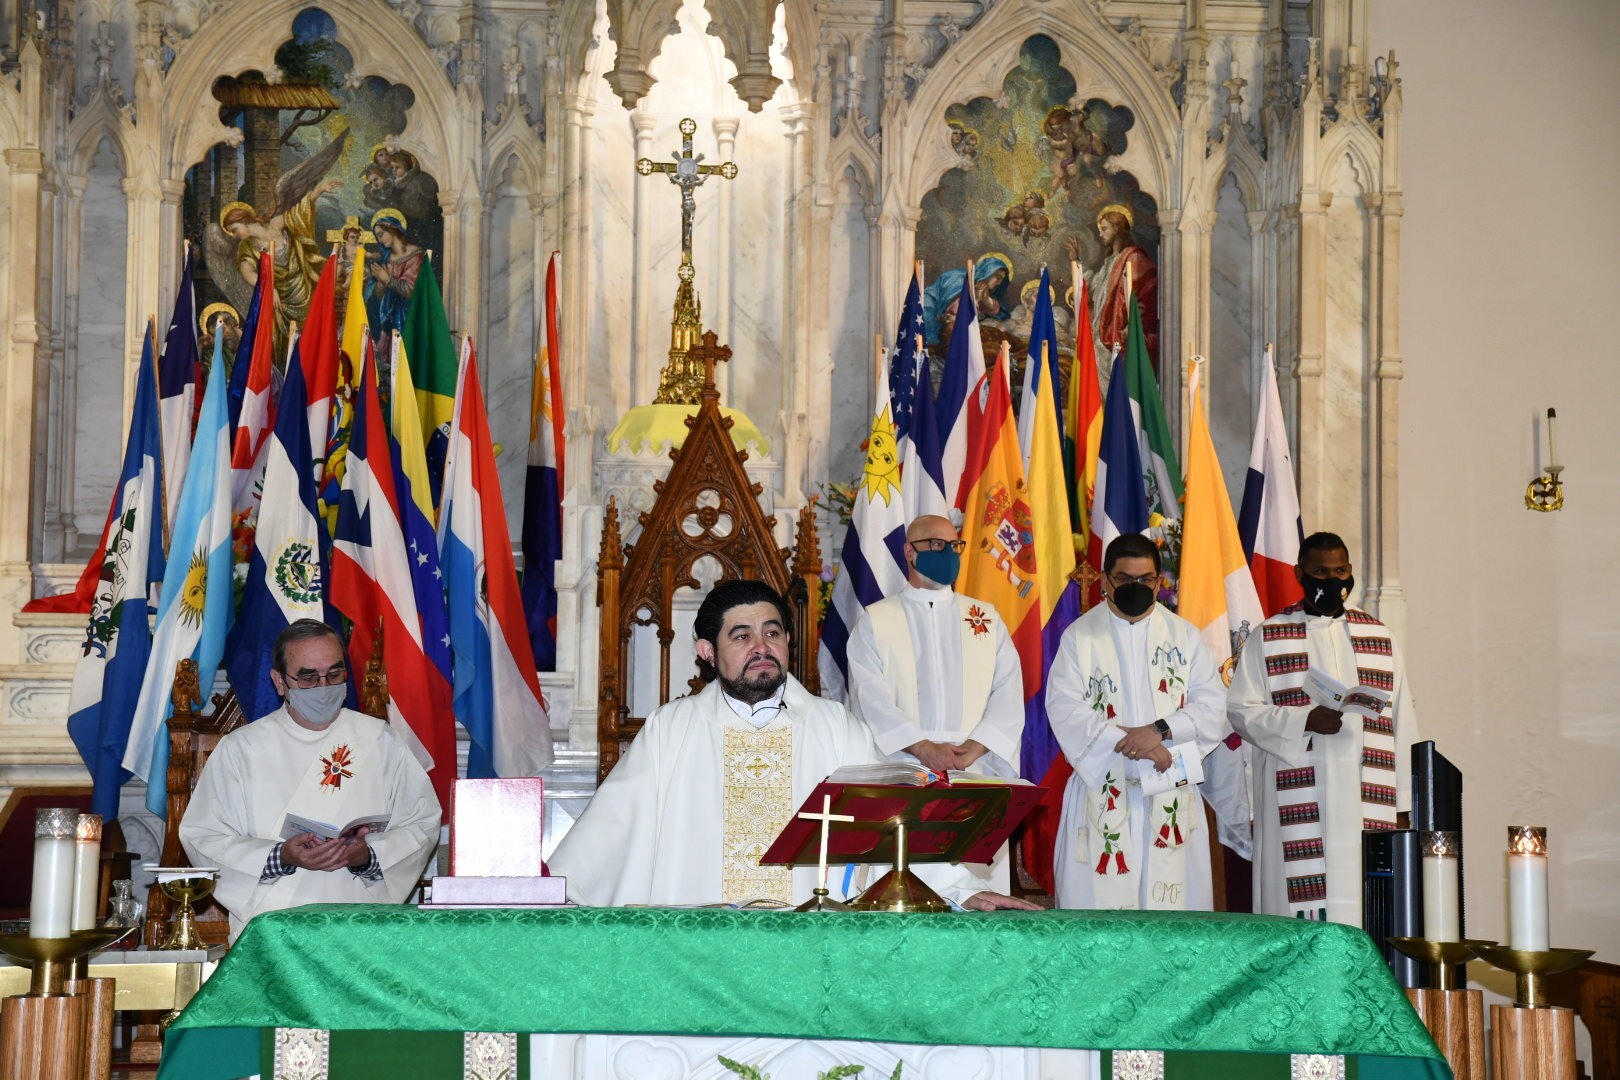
[[432, 353]]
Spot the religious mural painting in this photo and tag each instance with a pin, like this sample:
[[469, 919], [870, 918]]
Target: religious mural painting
[[319, 169], [1038, 183]]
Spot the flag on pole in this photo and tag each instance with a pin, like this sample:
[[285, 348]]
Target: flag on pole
[[416, 515], [542, 488], [955, 411], [433, 369], [318, 354], [197, 603], [1161, 471], [873, 563], [178, 374], [251, 433], [107, 678], [286, 577], [1000, 565], [1217, 595], [1059, 595], [261, 307], [916, 427], [1042, 332], [1082, 419], [497, 695], [903, 363], [1269, 520], [1118, 501], [372, 587]]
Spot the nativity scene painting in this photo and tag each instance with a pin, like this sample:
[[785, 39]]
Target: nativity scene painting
[[1039, 184], [319, 173]]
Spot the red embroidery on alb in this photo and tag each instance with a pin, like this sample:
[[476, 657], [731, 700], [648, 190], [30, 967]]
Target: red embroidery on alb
[[337, 768]]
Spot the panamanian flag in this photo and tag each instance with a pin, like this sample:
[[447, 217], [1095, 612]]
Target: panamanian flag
[[497, 693], [1269, 520], [118, 640]]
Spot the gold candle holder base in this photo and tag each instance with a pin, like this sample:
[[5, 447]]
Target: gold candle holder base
[[1441, 956], [50, 957], [821, 900], [1530, 968]]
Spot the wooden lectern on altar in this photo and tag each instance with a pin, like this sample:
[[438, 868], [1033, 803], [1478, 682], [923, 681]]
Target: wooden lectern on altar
[[900, 824]]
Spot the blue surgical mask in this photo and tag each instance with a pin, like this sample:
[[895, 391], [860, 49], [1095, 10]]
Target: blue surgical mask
[[940, 567]]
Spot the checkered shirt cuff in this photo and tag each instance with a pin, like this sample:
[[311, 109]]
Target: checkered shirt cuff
[[274, 868], [371, 870]]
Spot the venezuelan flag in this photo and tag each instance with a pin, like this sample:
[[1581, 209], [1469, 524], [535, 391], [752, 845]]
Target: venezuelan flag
[[434, 365]]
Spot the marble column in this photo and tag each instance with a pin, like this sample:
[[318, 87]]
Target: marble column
[[646, 347], [1309, 369], [1387, 597], [576, 241], [1261, 291], [61, 523], [725, 135], [26, 166], [144, 199], [795, 279]]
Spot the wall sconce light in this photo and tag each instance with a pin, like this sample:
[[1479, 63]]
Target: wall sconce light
[[1546, 492]]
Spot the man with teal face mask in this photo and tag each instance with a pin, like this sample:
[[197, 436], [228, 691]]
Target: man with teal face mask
[[314, 760], [934, 673]]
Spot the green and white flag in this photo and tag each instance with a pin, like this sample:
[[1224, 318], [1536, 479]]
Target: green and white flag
[[1161, 472]]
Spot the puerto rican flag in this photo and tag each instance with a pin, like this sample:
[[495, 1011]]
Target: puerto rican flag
[[1269, 523], [371, 585], [497, 693]]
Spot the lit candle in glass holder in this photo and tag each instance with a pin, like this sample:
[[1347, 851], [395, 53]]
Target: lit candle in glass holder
[[1527, 887], [50, 908], [1442, 909], [86, 871]]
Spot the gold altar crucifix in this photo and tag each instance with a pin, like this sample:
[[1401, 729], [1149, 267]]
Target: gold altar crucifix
[[686, 172]]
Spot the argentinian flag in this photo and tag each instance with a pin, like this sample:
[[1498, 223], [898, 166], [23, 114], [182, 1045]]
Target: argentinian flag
[[195, 606]]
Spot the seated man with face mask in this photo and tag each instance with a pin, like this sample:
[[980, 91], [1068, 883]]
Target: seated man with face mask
[[317, 760]]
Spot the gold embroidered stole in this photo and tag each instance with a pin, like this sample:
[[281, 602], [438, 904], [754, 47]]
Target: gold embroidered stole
[[757, 766], [1299, 791]]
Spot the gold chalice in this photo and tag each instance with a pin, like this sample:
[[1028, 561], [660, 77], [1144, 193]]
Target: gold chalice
[[185, 886]]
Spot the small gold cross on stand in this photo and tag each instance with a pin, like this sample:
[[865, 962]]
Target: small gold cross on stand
[[1085, 576], [819, 900]]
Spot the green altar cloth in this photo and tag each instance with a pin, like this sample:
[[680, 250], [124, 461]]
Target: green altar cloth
[[1139, 980]]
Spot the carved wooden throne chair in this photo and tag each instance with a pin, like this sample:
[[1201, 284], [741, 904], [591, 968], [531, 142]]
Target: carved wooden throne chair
[[705, 507]]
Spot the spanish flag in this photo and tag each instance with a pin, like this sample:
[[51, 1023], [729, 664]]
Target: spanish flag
[[434, 363]]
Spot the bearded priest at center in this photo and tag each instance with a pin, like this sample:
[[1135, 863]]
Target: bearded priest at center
[[712, 779]]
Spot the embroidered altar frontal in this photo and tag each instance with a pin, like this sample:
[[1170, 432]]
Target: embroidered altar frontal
[[1243, 985]]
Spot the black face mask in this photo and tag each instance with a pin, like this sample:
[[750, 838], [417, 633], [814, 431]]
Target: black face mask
[[1133, 599], [1326, 595]]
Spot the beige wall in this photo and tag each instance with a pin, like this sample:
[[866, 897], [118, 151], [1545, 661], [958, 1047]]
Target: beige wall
[[1510, 302]]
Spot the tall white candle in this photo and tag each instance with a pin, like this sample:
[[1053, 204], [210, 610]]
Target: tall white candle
[[1527, 887], [50, 907], [86, 871], [1441, 909]]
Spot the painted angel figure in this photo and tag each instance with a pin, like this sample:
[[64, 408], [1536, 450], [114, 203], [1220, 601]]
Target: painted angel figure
[[1076, 141], [233, 246]]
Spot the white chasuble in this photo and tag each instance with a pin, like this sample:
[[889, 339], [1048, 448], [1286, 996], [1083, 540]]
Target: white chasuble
[[1315, 794], [356, 766], [1116, 847], [933, 664], [656, 831]]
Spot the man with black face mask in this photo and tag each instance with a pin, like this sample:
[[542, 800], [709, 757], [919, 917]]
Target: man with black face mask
[[1321, 776], [1135, 701], [934, 674], [324, 763]]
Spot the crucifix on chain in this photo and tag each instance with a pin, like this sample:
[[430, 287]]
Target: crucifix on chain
[[687, 172]]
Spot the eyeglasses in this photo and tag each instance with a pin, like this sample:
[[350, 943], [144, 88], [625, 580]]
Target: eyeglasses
[[1120, 580], [308, 682], [957, 546]]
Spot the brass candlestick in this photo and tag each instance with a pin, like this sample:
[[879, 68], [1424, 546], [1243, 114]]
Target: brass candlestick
[[1441, 956], [185, 890], [50, 957], [1530, 968]]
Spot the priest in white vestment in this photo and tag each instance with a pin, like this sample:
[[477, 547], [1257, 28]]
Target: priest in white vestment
[[322, 762], [712, 779], [934, 673], [1321, 776], [1136, 702]]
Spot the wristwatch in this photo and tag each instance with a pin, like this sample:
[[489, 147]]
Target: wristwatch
[[1163, 728]]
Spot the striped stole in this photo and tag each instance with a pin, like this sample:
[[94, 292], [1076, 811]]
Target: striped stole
[[1299, 809]]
